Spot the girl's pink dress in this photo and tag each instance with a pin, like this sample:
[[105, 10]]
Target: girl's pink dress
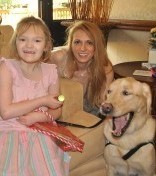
[[24, 152]]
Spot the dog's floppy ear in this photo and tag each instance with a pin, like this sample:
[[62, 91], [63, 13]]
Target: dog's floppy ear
[[147, 94]]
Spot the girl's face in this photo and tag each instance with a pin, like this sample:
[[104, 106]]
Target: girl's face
[[31, 45], [82, 47]]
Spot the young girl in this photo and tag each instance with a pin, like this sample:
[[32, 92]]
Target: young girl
[[27, 84]]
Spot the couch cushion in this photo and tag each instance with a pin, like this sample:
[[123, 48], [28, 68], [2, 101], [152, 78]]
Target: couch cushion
[[94, 167], [93, 138], [73, 92]]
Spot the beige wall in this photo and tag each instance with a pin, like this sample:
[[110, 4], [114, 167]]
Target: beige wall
[[134, 9]]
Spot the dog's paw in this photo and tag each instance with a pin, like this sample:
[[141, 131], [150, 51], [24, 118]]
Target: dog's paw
[[119, 174], [117, 170], [135, 172], [120, 171]]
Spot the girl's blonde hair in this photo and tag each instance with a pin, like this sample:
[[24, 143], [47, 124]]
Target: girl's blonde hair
[[96, 69], [23, 25]]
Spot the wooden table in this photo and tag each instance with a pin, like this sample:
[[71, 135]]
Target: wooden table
[[126, 69]]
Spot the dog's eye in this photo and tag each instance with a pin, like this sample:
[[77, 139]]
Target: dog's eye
[[125, 92], [109, 91]]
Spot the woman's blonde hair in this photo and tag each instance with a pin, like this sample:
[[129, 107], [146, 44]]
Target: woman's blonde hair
[[23, 25], [96, 69]]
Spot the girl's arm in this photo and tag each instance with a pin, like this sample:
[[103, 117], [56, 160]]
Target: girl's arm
[[54, 90], [39, 116], [8, 109]]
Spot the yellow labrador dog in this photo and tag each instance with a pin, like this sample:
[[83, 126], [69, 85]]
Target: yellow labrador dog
[[129, 129]]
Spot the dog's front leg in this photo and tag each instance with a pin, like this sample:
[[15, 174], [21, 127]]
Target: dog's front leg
[[116, 166], [143, 162]]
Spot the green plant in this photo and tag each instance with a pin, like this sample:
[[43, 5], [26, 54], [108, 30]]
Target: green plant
[[153, 38]]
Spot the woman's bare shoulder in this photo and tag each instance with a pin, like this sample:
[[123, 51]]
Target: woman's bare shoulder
[[108, 68], [58, 54]]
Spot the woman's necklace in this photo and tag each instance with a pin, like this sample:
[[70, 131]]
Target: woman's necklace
[[82, 73]]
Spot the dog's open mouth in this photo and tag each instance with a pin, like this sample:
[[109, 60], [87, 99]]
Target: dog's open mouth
[[120, 124]]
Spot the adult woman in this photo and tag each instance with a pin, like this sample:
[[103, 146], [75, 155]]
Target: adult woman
[[84, 59]]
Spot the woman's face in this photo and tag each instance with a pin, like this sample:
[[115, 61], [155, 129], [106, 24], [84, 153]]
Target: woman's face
[[82, 47]]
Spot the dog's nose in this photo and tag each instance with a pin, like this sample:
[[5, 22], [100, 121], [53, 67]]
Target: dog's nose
[[106, 108]]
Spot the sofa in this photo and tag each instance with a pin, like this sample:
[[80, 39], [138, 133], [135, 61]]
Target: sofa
[[91, 161], [6, 32]]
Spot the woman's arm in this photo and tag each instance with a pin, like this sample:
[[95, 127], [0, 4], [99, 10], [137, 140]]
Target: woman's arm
[[58, 55], [8, 109]]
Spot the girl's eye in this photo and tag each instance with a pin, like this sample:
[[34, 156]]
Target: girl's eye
[[21, 39], [37, 41], [76, 42]]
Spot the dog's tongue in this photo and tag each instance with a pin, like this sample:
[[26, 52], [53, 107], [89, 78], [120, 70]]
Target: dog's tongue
[[119, 123]]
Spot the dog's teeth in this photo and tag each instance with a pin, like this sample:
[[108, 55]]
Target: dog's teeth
[[127, 117], [116, 133]]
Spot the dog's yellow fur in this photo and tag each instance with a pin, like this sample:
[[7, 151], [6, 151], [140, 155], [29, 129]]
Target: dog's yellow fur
[[128, 95]]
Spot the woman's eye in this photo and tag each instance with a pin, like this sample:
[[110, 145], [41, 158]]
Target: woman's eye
[[90, 43]]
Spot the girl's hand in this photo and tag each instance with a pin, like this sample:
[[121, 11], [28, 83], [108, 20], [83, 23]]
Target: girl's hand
[[32, 118], [53, 102]]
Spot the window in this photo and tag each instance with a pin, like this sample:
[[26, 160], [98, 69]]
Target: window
[[51, 11], [61, 10], [12, 11]]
